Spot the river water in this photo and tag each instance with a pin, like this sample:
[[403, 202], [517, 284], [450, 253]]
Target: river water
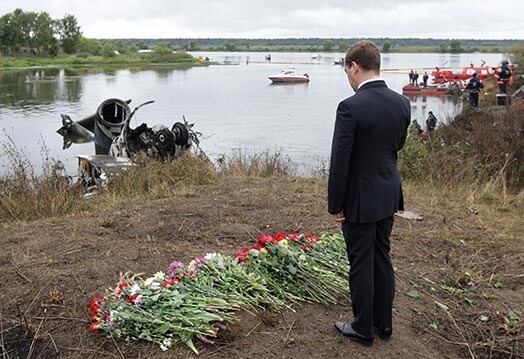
[[234, 106]]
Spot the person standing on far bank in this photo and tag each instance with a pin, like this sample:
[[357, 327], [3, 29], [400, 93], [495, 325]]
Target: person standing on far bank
[[431, 122], [425, 79], [364, 189], [474, 86]]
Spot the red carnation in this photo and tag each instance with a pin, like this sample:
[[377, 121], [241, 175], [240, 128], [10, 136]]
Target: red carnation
[[94, 327], [131, 298], [265, 238], [281, 236]]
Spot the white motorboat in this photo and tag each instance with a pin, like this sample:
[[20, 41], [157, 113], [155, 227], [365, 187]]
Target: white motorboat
[[289, 75]]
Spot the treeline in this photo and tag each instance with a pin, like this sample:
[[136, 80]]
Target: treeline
[[322, 44], [321, 41], [32, 33]]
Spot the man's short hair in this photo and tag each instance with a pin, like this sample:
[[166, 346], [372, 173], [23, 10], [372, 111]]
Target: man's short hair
[[365, 54]]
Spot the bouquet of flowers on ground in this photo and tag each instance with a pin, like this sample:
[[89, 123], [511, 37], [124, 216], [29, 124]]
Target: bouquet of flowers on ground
[[161, 309], [195, 301], [299, 267]]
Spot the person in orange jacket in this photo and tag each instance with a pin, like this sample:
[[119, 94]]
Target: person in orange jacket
[[503, 76]]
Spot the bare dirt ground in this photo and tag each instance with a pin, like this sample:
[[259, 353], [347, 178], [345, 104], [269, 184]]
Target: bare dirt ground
[[459, 273]]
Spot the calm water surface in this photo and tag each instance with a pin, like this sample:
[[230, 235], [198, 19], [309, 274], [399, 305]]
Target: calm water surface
[[234, 106]]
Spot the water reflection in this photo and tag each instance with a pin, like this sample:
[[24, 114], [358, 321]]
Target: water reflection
[[23, 88], [444, 107], [20, 89]]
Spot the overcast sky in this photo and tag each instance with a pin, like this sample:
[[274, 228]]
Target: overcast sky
[[447, 19]]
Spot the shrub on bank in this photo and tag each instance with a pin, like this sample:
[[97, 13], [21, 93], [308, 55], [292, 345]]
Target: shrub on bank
[[476, 147], [26, 196]]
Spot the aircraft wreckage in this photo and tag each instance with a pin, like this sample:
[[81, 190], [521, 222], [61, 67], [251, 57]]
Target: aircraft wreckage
[[116, 142]]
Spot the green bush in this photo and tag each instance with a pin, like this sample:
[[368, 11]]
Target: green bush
[[413, 159]]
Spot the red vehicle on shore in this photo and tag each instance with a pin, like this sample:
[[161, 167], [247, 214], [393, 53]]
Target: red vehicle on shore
[[449, 75]]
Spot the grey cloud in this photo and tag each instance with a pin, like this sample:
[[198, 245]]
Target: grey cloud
[[292, 18]]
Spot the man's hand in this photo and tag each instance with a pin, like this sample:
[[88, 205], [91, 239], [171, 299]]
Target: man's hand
[[339, 217]]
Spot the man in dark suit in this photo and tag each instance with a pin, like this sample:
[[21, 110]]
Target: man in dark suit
[[364, 189]]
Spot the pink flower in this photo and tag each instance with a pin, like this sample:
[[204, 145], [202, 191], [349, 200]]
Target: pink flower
[[207, 341]]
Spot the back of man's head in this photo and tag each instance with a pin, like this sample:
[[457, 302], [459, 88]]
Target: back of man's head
[[365, 54]]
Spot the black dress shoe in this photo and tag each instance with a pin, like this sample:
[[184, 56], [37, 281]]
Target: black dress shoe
[[383, 333], [347, 330]]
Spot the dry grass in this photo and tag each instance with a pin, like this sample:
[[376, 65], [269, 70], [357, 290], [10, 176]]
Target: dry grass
[[263, 164], [154, 178], [25, 196], [470, 295]]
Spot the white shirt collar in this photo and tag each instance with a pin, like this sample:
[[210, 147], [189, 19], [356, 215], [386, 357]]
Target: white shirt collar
[[368, 81]]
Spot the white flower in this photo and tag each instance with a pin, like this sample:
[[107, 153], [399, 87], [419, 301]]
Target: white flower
[[111, 317], [209, 256], [148, 281], [151, 281], [134, 289], [159, 275], [155, 286], [166, 344]]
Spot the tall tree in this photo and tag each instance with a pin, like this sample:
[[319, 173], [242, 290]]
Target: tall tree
[[163, 48], [13, 35], [89, 46], [2, 29], [328, 45], [69, 33], [386, 46], [454, 46], [44, 36], [26, 22], [443, 47]]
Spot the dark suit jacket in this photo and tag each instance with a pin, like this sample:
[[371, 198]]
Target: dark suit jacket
[[370, 127]]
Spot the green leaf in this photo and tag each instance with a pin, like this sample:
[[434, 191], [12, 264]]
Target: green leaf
[[428, 280], [413, 294], [191, 346], [417, 311], [441, 306], [433, 326], [483, 318], [163, 328], [292, 269], [512, 316], [413, 284], [469, 301], [497, 285]]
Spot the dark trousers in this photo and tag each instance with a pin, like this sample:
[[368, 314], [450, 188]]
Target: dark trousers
[[371, 277], [474, 99]]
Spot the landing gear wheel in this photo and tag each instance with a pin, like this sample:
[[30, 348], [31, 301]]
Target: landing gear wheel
[[181, 134]]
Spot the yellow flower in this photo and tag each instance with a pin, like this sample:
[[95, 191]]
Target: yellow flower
[[284, 243]]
